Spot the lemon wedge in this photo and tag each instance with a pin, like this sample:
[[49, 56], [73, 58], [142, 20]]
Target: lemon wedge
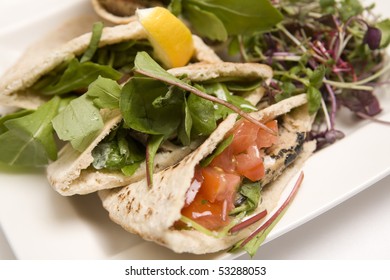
[[171, 39]]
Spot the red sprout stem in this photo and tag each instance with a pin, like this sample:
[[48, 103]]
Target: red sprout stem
[[277, 213], [249, 221]]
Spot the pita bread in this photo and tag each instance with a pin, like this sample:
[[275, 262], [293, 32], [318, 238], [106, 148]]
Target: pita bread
[[152, 212], [15, 85], [71, 173]]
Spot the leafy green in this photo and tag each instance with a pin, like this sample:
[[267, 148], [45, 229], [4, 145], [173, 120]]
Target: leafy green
[[251, 193], [97, 31], [215, 27], [118, 151], [27, 137], [11, 116], [229, 17], [139, 113], [184, 132], [384, 26], [121, 56], [78, 76], [154, 143], [105, 93], [202, 115], [79, 122], [314, 99]]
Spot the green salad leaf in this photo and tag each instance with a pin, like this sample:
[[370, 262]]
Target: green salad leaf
[[139, 113], [202, 113], [251, 193], [219, 19], [27, 137], [105, 93], [154, 143], [97, 31], [79, 122], [78, 76], [118, 151]]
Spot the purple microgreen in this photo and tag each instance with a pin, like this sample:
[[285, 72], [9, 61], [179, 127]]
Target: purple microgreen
[[249, 221], [372, 37], [278, 214], [361, 101]]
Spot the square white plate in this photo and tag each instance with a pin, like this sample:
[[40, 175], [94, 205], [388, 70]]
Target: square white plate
[[40, 224]]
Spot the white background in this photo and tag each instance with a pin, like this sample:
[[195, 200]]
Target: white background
[[357, 229]]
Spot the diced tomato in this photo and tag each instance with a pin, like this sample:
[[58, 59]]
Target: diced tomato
[[250, 164], [212, 216], [225, 161], [218, 185], [244, 135], [215, 186], [265, 139]]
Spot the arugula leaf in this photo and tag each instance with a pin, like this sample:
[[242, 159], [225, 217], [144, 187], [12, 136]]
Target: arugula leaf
[[105, 93], [202, 115], [79, 122], [78, 76], [28, 139], [154, 142], [237, 17], [118, 152], [97, 31], [206, 23], [184, 132], [251, 193], [139, 113], [221, 91], [11, 116]]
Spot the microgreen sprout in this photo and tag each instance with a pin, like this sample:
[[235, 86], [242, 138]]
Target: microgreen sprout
[[345, 39]]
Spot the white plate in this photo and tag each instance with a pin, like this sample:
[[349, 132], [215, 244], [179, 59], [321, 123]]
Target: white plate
[[40, 224]]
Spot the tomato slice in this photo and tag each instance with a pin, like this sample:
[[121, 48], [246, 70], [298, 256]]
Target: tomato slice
[[250, 164], [245, 133], [265, 139]]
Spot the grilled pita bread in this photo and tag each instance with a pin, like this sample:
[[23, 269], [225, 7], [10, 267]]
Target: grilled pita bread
[[15, 85], [152, 212], [71, 173]]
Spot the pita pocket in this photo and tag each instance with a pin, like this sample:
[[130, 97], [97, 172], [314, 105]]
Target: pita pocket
[[182, 212], [76, 172]]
